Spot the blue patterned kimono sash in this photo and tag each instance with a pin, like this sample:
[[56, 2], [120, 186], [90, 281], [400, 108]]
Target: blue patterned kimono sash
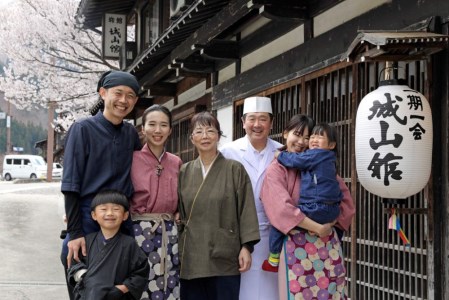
[[158, 219]]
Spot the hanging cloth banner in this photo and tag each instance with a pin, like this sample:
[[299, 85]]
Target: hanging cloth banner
[[395, 224]]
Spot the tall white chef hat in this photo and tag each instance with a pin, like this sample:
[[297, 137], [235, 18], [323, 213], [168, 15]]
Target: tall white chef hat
[[257, 104]]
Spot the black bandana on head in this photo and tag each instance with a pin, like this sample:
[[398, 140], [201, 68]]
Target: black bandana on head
[[115, 78]]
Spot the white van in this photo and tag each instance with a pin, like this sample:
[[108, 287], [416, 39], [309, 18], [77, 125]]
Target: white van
[[24, 166], [57, 170]]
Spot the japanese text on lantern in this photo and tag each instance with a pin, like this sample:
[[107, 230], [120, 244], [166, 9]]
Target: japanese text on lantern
[[392, 130], [114, 34]]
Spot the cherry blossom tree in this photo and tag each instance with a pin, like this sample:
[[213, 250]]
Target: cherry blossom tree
[[51, 57]]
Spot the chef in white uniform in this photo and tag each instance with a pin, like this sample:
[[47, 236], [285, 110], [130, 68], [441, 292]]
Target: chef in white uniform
[[256, 151]]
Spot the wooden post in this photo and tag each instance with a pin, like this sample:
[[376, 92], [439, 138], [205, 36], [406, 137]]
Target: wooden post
[[355, 99], [8, 129], [50, 140]]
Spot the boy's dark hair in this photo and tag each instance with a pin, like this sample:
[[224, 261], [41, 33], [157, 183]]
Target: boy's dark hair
[[110, 196]]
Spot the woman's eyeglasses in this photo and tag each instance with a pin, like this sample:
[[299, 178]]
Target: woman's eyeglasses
[[201, 132]]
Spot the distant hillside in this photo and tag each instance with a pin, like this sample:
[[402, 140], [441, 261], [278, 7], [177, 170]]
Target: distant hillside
[[24, 135], [36, 117], [27, 127]]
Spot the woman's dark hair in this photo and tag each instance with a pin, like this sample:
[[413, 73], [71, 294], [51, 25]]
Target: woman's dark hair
[[331, 132], [205, 118], [298, 123], [110, 196], [157, 107]]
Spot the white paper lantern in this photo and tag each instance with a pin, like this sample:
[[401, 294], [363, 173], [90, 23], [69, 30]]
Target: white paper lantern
[[393, 141]]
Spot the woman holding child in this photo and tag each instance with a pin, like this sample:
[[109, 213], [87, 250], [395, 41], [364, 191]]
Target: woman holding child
[[154, 175], [311, 264]]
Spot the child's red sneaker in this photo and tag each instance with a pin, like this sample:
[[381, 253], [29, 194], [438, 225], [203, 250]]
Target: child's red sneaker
[[266, 266]]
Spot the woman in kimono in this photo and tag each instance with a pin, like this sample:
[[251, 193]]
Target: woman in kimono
[[218, 216], [154, 175], [311, 266]]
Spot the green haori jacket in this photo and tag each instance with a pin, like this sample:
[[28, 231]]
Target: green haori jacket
[[221, 219]]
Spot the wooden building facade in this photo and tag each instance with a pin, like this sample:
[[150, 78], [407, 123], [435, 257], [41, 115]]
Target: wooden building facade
[[318, 58]]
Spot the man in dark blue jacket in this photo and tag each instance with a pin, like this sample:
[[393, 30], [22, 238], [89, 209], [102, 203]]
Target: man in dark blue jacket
[[98, 155]]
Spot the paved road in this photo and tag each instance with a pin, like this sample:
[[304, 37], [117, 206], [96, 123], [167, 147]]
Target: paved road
[[30, 224]]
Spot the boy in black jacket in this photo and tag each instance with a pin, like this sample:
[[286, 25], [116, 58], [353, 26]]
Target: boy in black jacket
[[115, 267]]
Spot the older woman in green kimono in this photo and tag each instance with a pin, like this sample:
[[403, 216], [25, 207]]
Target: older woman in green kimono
[[218, 218]]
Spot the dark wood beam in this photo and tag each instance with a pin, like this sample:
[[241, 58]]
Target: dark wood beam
[[144, 102], [197, 67], [215, 26], [157, 73], [421, 55], [174, 66], [308, 30], [284, 13], [396, 52], [282, 9], [184, 73], [373, 52], [194, 64], [299, 10], [291, 3], [219, 50], [317, 7], [162, 89]]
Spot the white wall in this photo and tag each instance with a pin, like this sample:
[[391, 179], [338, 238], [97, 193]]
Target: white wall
[[194, 93], [280, 45], [261, 21], [226, 73], [342, 13]]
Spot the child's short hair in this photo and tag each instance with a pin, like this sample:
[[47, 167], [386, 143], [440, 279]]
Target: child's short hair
[[330, 131], [110, 196]]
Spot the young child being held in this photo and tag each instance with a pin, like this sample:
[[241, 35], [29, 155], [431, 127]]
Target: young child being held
[[115, 267], [320, 193]]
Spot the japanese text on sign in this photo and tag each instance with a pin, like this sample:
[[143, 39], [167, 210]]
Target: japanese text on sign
[[114, 34], [388, 111]]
